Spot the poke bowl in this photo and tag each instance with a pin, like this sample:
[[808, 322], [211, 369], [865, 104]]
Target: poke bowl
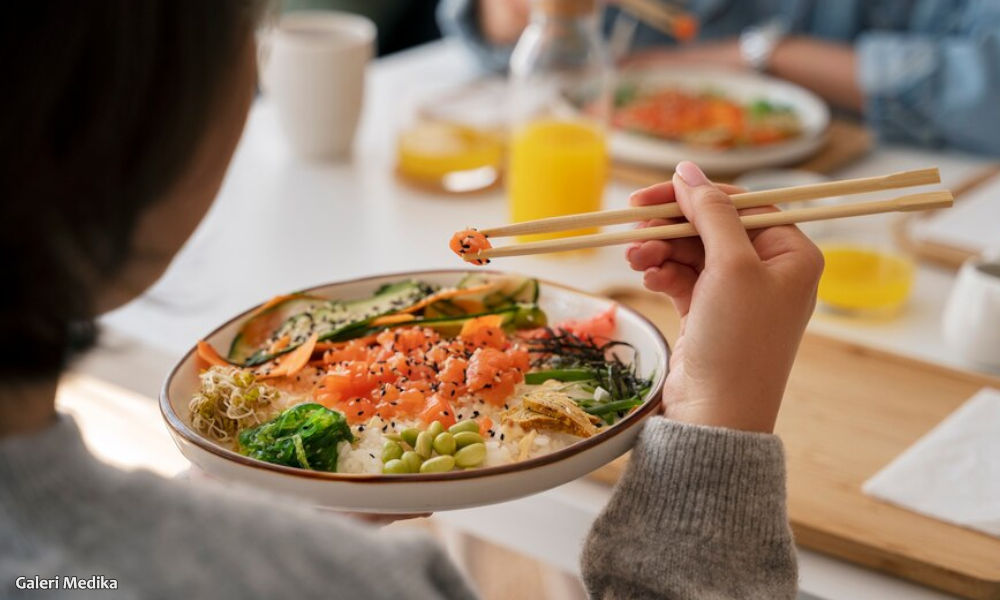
[[417, 392]]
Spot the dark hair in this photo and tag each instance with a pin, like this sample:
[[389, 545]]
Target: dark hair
[[103, 105]]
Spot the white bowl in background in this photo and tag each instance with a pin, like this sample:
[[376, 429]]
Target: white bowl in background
[[743, 87]]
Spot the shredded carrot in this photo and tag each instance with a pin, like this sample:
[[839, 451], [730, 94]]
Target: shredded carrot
[[485, 424], [446, 294], [272, 303], [393, 319], [294, 361], [471, 326], [210, 355], [280, 344]]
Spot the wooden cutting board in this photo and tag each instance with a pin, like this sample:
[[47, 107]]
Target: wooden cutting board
[[848, 411]]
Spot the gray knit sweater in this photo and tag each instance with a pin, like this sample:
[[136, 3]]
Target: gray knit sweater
[[700, 514]]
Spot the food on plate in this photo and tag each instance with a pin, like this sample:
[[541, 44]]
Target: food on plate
[[414, 379], [469, 242], [305, 435], [705, 118], [552, 408]]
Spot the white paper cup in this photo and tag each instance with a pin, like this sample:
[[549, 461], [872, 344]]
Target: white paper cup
[[972, 316], [312, 67]]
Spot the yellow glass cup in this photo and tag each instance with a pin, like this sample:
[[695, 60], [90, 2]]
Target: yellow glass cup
[[864, 278], [556, 167], [449, 157]]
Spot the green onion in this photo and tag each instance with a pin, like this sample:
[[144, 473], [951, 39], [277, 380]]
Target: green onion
[[539, 377], [613, 407]]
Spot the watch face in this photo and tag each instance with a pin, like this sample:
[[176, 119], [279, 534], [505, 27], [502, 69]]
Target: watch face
[[757, 43]]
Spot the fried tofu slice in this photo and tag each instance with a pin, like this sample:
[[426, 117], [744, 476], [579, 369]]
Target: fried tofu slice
[[551, 410]]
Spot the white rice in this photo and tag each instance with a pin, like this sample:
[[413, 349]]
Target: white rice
[[502, 448]]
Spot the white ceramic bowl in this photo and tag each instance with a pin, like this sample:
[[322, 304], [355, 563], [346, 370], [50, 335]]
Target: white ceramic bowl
[[741, 86], [430, 492]]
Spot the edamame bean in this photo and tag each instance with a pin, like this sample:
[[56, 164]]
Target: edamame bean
[[391, 451], [444, 443], [409, 436], [471, 456], [412, 460], [393, 436], [464, 438], [396, 467], [435, 428], [439, 464], [461, 426], [424, 444]]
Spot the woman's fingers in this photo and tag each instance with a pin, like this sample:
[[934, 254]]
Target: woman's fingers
[[653, 253], [646, 255], [675, 280], [661, 193], [713, 214], [785, 246]]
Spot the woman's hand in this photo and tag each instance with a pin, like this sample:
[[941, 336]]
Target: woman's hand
[[744, 302]]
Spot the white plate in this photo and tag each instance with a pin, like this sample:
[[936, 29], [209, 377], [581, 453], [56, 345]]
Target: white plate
[[743, 87], [430, 492]]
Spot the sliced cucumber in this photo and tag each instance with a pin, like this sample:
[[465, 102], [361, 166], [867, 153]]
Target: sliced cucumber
[[517, 290], [510, 290], [516, 317], [256, 331], [331, 319], [452, 326]]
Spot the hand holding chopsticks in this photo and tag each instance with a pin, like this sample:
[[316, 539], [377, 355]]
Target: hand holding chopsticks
[[663, 16], [924, 201]]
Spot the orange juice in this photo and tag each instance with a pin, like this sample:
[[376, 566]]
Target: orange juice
[[860, 278], [556, 167], [449, 156]]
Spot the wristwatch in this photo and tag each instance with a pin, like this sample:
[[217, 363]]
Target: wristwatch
[[757, 42]]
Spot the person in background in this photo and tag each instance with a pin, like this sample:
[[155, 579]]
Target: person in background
[[923, 72], [114, 142], [400, 25]]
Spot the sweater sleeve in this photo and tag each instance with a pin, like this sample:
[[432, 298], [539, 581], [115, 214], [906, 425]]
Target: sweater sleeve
[[699, 513], [460, 19], [933, 90]]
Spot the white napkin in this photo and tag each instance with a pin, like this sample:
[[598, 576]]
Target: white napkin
[[953, 472]]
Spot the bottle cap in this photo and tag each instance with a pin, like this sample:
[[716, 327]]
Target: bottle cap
[[567, 8]]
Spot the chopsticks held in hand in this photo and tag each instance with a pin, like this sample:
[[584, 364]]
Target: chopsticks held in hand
[[663, 16], [924, 201]]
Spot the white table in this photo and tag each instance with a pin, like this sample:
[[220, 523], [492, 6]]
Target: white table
[[279, 225]]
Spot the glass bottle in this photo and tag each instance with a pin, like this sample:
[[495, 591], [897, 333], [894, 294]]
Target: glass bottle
[[560, 90]]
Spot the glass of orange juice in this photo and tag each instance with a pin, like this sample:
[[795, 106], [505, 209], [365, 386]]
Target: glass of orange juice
[[864, 277], [560, 99], [449, 156], [556, 167]]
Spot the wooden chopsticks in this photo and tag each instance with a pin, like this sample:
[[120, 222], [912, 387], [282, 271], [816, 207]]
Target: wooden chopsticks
[[665, 17], [912, 202], [902, 179], [798, 193]]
